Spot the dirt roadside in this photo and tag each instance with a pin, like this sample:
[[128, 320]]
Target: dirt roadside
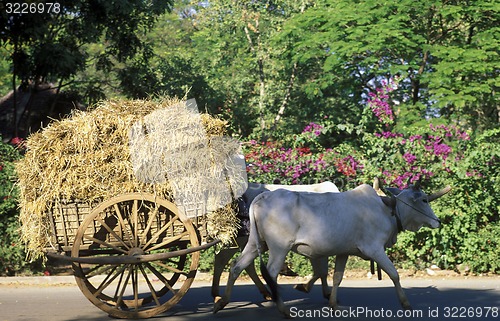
[[206, 278]]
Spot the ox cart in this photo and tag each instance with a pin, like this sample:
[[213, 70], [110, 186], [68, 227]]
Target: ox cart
[[131, 200], [134, 255]]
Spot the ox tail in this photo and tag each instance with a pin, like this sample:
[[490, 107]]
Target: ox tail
[[263, 268]]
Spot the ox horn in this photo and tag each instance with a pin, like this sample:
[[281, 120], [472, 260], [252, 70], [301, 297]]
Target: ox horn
[[376, 187], [439, 193]]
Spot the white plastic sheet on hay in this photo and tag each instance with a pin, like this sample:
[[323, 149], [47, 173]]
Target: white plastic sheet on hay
[[172, 145]]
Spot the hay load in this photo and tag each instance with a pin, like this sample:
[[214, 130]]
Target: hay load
[[114, 149]]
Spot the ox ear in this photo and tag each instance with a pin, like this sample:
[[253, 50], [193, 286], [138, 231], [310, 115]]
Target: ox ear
[[439, 193], [393, 190], [418, 183], [389, 201]]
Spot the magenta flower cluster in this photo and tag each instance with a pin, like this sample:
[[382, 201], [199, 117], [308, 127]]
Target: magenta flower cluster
[[406, 158], [388, 134], [418, 150], [313, 128], [269, 161], [409, 158], [378, 102]]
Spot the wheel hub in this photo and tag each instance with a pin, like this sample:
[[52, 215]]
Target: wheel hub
[[136, 251]]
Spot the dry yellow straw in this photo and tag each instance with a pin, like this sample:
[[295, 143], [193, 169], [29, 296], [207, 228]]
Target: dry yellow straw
[[87, 157]]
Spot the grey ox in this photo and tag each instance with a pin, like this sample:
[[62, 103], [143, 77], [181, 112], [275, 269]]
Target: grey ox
[[357, 222], [320, 265]]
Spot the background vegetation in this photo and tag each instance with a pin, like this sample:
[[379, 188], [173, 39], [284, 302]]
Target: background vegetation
[[336, 90]]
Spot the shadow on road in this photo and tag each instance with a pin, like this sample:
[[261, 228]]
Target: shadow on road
[[361, 303]]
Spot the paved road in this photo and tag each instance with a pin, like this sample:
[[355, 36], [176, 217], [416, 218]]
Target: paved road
[[362, 299]]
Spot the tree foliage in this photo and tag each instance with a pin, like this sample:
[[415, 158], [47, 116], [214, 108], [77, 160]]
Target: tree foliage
[[12, 255], [446, 53], [272, 67], [51, 46]]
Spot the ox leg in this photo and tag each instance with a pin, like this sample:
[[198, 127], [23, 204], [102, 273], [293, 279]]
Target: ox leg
[[338, 274], [252, 273], [320, 271], [274, 265], [385, 263], [220, 261], [242, 241], [244, 260], [306, 287]]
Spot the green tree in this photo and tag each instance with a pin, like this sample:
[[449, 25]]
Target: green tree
[[233, 39], [171, 67], [5, 78], [51, 46], [446, 54]]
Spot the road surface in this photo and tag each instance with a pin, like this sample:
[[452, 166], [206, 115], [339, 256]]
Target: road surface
[[59, 299]]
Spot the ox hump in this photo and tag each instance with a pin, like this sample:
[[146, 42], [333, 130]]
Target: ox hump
[[365, 190]]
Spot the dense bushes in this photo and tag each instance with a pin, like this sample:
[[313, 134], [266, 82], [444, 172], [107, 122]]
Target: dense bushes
[[441, 155], [12, 255]]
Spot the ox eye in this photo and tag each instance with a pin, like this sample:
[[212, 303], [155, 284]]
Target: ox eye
[[425, 200]]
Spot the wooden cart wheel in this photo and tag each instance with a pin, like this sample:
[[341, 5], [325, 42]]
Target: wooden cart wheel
[[135, 224]]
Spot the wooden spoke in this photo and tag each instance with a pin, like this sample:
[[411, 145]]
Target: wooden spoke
[[97, 270], [170, 268], [110, 230], [106, 244], [106, 282], [119, 299], [122, 222], [168, 241], [151, 219], [135, 286], [119, 283], [135, 217], [150, 285], [163, 229], [160, 277]]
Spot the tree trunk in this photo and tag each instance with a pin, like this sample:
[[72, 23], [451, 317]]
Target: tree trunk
[[14, 96], [262, 79], [284, 103]]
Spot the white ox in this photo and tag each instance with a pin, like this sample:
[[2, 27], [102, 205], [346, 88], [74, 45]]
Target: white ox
[[320, 265], [357, 222]]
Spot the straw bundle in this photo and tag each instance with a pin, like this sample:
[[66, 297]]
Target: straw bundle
[[120, 147]]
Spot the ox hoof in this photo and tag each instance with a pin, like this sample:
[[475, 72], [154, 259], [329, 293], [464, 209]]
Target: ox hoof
[[219, 304], [407, 306], [301, 288], [334, 306], [267, 296]]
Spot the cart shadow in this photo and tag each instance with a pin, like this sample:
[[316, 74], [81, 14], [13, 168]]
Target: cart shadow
[[247, 303]]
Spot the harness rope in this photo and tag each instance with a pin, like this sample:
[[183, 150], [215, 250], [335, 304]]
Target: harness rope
[[395, 212], [399, 223]]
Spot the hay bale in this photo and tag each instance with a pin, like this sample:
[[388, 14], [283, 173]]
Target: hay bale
[[88, 157]]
